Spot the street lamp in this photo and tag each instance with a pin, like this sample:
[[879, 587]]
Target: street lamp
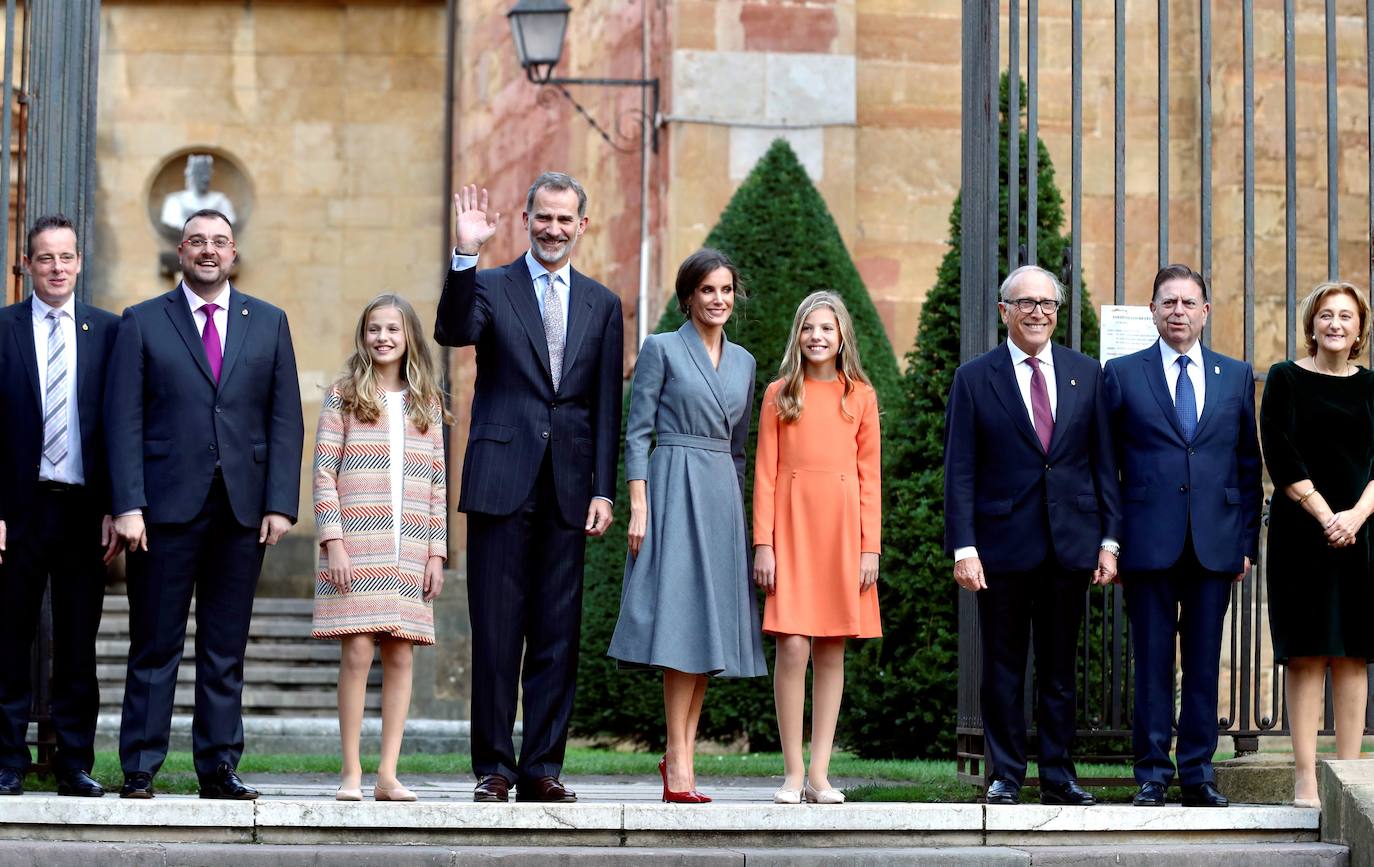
[[537, 27]]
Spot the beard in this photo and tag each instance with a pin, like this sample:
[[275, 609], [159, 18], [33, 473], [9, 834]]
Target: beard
[[550, 258]]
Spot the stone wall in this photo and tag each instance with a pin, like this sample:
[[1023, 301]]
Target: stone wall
[[335, 113]]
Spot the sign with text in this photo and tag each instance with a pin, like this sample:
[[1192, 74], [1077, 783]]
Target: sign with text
[[1126, 328]]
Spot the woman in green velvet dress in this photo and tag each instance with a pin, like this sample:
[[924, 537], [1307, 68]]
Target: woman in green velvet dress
[[1317, 426]]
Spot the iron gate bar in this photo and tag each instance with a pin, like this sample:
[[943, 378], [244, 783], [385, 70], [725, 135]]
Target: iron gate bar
[[1076, 182], [1032, 129], [1119, 158], [1333, 204], [1163, 158], [1205, 134], [1290, 176], [1248, 102], [1014, 136], [6, 136]]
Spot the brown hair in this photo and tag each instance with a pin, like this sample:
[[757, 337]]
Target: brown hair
[[696, 268], [1312, 305]]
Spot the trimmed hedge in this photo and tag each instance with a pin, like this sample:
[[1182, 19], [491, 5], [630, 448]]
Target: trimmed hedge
[[784, 241]]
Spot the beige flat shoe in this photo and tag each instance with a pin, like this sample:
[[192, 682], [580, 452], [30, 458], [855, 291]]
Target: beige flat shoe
[[343, 794], [823, 796], [1308, 803], [400, 793], [787, 796]]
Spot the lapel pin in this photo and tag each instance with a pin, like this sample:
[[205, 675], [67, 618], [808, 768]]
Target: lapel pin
[[85, 326], [244, 311], [1073, 382], [1217, 370]]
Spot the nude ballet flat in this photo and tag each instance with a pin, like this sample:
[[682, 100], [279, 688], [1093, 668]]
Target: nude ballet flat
[[400, 793], [343, 794], [823, 796], [787, 796], [1308, 803]]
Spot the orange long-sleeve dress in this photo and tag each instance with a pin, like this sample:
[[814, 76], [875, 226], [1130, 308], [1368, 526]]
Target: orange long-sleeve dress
[[818, 502]]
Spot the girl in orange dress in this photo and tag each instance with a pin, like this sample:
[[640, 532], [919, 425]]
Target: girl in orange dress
[[817, 529]]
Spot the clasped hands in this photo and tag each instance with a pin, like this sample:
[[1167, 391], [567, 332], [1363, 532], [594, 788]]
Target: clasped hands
[[1342, 527]]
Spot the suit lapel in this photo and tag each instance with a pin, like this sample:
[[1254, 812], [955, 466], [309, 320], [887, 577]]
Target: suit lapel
[[86, 369], [520, 290], [1003, 381], [1066, 394], [239, 321], [579, 312], [23, 336], [180, 313], [691, 338], [1153, 360], [1211, 397]]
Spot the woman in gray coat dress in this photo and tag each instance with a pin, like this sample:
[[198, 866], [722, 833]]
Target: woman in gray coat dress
[[687, 606]]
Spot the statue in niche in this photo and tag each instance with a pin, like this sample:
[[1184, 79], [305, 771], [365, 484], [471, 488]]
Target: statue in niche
[[179, 206]]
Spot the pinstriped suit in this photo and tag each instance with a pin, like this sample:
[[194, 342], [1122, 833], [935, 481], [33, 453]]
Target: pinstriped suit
[[535, 458]]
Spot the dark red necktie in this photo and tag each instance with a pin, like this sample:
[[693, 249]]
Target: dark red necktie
[[1040, 404]]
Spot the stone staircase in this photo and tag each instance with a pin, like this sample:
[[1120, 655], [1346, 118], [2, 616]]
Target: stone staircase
[[286, 673]]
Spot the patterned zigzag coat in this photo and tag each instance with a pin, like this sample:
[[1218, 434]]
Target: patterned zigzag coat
[[353, 503]]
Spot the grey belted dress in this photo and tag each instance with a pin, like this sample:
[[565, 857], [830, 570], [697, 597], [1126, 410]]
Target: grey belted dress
[[687, 602]]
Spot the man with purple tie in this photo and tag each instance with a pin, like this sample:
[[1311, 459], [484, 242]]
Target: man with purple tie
[[1032, 514], [204, 432]]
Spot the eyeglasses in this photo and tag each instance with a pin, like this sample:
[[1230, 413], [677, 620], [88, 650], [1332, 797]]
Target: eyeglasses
[[1048, 306], [46, 260], [196, 242]]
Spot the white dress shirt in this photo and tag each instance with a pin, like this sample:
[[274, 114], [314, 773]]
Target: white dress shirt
[[221, 315], [70, 471], [1196, 373]]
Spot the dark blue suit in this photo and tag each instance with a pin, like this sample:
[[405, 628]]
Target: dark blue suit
[[204, 462], [1192, 516], [53, 531], [1037, 520], [535, 459]]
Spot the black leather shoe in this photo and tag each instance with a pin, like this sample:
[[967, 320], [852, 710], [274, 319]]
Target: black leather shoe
[[1003, 792], [79, 784], [547, 790], [493, 788], [224, 785], [1150, 794], [1069, 793], [11, 782], [1204, 795], [137, 785]]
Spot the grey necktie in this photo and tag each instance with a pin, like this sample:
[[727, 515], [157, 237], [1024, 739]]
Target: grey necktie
[[553, 329], [55, 394]]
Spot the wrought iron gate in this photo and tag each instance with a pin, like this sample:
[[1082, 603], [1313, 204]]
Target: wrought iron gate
[[1255, 707]]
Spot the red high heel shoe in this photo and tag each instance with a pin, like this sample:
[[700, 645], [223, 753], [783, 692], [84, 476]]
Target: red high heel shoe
[[671, 797]]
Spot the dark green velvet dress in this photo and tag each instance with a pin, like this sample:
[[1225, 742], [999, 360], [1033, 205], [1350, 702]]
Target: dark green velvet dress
[[1321, 428]]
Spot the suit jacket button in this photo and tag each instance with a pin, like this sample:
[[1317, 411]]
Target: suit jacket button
[[1183, 489], [1048, 468], [544, 434], [212, 446], [217, 409]]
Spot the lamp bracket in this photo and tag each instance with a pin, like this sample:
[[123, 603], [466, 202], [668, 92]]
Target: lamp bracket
[[560, 86]]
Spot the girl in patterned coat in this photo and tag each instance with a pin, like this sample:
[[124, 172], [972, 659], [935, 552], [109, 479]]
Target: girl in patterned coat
[[380, 507]]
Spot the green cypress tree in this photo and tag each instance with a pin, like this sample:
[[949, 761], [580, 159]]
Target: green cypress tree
[[781, 236], [901, 695]]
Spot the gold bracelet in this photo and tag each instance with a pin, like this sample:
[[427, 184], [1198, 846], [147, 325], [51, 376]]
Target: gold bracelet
[[1309, 493]]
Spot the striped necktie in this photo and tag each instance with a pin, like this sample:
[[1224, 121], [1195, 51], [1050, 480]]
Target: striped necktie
[[55, 394], [553, 329]]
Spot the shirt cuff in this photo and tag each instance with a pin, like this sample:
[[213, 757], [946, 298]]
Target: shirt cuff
[[607, 499], [1108, 540], [130, 512], [964, 553], [461, 262]]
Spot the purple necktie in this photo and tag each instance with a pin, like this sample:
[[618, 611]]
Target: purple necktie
[[215, 353], [1040, 404]]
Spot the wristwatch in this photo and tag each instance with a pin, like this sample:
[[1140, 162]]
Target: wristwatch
[[1112, 548]]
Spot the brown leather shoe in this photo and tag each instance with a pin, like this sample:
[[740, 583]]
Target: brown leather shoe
[[545, 789], [493, 788]]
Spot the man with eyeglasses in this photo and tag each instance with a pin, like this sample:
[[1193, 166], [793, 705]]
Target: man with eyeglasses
[[55, 525], [1184, 423], [204, 428], [1031, 518]]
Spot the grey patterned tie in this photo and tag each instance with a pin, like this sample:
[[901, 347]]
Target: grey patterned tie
[[55, 394], [553, 329]]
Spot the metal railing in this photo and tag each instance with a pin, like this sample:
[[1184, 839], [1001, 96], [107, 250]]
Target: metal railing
[[1254, 705]]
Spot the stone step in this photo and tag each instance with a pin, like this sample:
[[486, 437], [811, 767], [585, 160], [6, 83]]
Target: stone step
[[254, 673], [295, 628], [45, 854], [314, 735], [263, 606], [256, 699], [114, 650]]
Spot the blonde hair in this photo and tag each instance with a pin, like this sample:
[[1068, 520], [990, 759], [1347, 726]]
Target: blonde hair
[[358, 387], [1312, 305], [792, 370]]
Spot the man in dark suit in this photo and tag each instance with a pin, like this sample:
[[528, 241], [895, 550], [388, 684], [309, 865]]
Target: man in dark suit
[[539, 473], [204, 427], [1183, 419], [54, 504], [1031, 517]]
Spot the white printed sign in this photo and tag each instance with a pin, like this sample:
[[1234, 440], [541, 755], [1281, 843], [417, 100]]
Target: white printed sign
[[1126, 328]]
